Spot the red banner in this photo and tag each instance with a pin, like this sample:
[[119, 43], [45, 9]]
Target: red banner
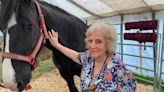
[[142, 25], [141, 37]]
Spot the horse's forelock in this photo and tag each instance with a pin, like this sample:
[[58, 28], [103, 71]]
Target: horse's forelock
[[7, 9]]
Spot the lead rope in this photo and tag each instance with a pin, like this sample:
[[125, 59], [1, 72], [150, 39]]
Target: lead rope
[[93, 83]]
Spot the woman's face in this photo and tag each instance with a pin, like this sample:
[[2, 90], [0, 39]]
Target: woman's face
[[96, 44]]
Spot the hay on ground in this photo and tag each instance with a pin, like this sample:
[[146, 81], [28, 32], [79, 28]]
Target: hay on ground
[[53, 82]]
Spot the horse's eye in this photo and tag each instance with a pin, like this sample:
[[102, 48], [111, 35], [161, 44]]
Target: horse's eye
[[29, 26]]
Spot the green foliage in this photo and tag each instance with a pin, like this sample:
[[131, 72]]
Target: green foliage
[[144, 77], [147, 78], [43, 67]]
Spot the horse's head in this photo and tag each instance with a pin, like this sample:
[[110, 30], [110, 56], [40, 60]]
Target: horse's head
[[20, 23]]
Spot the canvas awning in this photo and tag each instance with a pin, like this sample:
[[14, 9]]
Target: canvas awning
[[105, 8]]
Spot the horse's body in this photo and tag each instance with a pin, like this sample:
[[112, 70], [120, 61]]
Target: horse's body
[[21, 21]]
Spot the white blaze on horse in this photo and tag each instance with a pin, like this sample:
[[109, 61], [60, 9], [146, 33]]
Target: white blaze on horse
[[7, 69], [24, 30]]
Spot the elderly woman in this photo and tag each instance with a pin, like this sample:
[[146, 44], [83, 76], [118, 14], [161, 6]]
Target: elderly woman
[[101, 70]]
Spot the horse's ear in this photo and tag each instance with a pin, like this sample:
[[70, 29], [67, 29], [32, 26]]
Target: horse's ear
[[28, 1]]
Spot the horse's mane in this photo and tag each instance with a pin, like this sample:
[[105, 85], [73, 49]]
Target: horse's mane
[[7, 8], [61, 11], [55, 7]]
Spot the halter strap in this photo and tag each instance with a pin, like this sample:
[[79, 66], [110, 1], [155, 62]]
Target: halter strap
[[42, 20], [29, 58]]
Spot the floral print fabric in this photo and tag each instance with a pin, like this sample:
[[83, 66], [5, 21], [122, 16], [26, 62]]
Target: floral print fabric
[[115, 77]]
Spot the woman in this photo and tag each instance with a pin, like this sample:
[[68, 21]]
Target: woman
[[101, 70]]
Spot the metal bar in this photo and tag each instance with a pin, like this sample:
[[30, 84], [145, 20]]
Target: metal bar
[[121, 37], [135, 56], [123, 33], [161, 65], [140, 67], [111, 7], [135, 45], [149, 7], [162, 72], [84, 9], [140, 50], [151, 82], [155, 56]]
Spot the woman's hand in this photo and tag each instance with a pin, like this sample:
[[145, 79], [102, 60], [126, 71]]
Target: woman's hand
[[53, 38], [72, 54]]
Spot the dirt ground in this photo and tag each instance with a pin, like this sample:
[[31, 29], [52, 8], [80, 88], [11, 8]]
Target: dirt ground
[[53, 82]]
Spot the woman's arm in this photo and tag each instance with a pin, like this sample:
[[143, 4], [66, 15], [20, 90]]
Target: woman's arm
[[72, 54], [126, 80]]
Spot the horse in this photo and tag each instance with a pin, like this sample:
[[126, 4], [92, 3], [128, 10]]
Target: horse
[[20, 23]]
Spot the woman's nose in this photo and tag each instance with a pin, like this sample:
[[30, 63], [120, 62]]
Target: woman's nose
[[92, 45]]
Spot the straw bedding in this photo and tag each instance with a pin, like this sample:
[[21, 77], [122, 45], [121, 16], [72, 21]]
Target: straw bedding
[[53, 82]]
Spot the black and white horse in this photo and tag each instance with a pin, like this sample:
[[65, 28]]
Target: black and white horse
[[20, 23]]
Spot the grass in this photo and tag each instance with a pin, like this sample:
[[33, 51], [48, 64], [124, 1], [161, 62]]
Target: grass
[[147, 78], [144, 77], [43, 67]]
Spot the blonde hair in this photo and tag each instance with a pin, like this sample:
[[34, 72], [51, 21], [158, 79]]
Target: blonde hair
[[108, 32]]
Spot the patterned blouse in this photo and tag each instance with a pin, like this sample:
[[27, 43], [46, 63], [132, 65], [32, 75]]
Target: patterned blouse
[[114, 76]]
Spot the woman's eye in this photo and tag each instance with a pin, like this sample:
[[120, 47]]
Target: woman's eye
[[90, 41], [98, 41]]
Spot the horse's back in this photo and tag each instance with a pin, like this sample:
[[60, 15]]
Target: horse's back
[[71, 32]]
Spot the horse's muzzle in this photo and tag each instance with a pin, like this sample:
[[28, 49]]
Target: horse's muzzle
[[11, 86]]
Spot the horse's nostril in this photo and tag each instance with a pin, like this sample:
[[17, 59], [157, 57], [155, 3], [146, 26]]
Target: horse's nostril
[[20, 87]]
